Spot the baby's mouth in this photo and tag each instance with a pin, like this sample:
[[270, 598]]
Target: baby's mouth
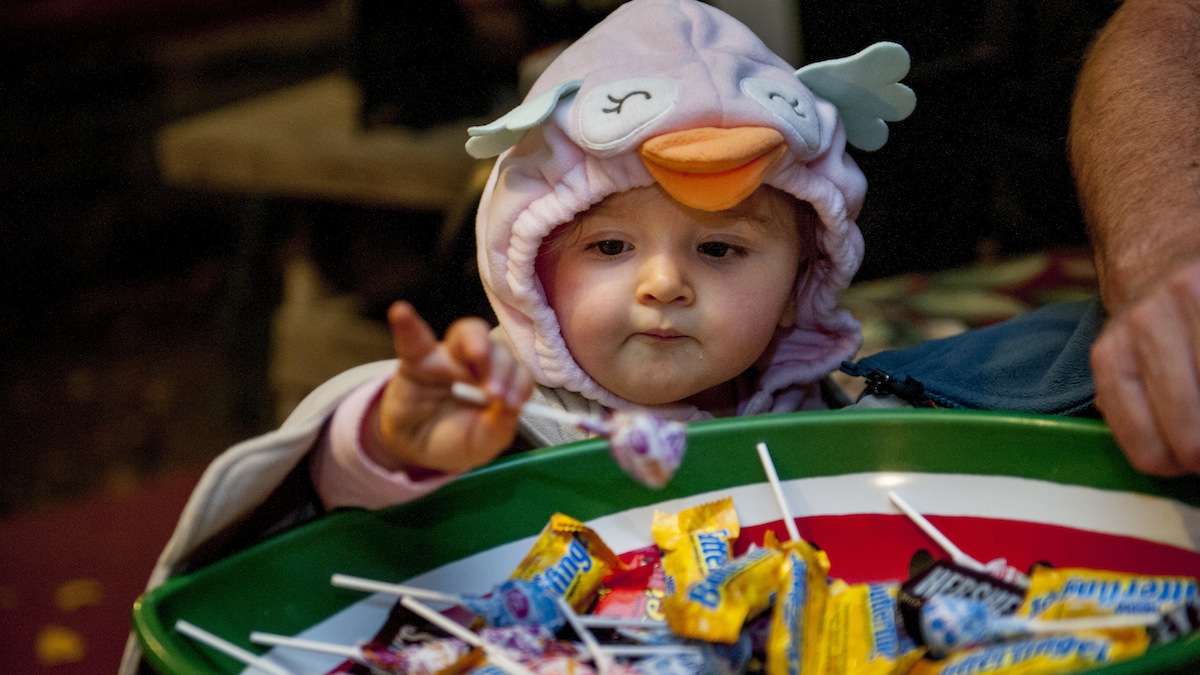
[[662, 335]]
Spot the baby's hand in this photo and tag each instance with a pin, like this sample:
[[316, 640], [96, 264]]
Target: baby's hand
[[418, 424]]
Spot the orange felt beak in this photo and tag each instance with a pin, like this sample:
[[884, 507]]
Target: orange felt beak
[[709, 168]]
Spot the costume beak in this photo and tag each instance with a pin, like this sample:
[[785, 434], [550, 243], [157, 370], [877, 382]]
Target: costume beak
[[712, 169]]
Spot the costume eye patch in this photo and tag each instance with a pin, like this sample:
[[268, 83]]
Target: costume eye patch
[[621, 101], [610, 113], [792, 105]]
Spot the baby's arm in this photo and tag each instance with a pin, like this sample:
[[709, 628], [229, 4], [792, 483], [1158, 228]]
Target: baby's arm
[[398, 439]]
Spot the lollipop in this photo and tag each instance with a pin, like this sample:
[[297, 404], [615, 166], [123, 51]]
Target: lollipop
[[949, 623], [997, 567], [646, 447]]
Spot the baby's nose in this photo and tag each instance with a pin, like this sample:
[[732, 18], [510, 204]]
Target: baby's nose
[[663, 280]]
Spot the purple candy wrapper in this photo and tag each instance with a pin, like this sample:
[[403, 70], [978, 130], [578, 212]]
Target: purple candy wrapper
[[648, 448]]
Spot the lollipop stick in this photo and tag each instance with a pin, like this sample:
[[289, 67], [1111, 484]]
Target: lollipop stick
[[495, 654], [764, 456], [635, 651], [1111, 622], [228, 648], [956, 554], [593, 621], [472, 394], [345, 651], [603, 661], [372, 586]]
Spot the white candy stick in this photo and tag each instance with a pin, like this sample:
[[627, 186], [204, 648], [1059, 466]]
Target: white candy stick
[[472, 394], [372, 586], [274, 640], [494, 653], [764, 456], [593, 621], [634, 651], [228, 648], [603, 661], [1111, 622], [956, 554]]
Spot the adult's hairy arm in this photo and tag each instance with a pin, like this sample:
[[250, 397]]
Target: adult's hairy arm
[[1135, 151]]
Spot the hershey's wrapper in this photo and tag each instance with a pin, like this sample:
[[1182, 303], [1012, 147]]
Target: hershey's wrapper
[[949, 579]]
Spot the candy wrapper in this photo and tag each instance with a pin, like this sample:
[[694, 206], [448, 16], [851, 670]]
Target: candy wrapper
[[715, 608], [862, 633], [425, 658], [1175, 623], [517, 602], [1042, 654], [796, 620], [695, 541], [648, 448], [947, 578], [637, 593], [1073, 592], [568, 559]]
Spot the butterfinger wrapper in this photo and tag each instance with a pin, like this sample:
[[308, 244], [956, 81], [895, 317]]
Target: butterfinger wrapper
[[1075, 592], [1039, 654], [862, 633], [569, 559], [695, 541], [715, 608], [793, 643]]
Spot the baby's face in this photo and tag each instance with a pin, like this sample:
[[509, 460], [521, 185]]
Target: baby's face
[[659, 302]]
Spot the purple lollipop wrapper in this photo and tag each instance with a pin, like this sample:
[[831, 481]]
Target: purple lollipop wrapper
[[648, 448], [524, 641], [425, 658]]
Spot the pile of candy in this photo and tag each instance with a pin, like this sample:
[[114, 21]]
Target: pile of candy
[[691, 606]]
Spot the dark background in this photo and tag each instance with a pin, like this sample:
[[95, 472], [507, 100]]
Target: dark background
[[118, 374]]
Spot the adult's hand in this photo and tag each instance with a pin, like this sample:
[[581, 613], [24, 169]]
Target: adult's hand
[[1146, 366]]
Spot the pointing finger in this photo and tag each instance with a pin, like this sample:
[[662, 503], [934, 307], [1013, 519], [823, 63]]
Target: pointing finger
[[412, 338]]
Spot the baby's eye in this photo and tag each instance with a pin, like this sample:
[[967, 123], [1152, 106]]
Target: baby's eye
[[718, 249], [610, 246]]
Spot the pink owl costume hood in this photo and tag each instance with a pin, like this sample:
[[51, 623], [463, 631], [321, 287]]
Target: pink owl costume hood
[[679, 93]]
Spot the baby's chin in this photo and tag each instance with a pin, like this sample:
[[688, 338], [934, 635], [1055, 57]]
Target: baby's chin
[[656, 393]]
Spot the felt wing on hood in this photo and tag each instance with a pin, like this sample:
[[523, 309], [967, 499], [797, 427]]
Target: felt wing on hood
[[492, 139], [866, 89]]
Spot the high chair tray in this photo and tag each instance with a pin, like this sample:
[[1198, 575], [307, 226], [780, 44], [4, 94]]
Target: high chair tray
[[1023, 487]]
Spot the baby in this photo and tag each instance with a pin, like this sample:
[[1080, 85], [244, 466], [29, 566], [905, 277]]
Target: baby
[[668, 227]]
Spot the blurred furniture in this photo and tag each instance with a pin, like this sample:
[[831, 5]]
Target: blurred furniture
[[294, 148], [304, 142]]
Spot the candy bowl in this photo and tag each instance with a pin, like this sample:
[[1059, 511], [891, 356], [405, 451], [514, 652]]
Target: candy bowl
[[1018, 488]]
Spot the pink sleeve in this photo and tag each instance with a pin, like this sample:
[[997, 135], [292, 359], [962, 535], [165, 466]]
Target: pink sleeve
[[343, 473]]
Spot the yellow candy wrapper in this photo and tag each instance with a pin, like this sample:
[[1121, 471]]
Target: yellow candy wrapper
[[715, 608], [1039, 654], [862, 633], [570, 559], [695, 541], [793, 643], [1072, 592]]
